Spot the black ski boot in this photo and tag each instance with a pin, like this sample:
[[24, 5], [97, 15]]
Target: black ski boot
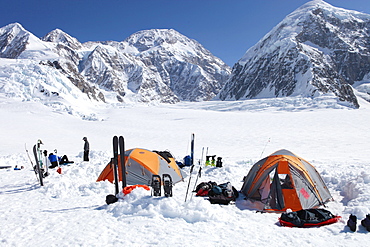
[[109, 199], [219, 162], [352, 222], [366, 222], [156, 185], [167, 185]]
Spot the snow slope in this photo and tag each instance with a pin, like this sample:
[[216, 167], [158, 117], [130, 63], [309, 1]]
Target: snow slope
[[70, 209]]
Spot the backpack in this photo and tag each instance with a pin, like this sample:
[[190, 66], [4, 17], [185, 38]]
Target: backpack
[[223, 194], [203, 188], [187, 160]]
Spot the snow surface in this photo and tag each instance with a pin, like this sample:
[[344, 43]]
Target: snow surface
[[70, 209]]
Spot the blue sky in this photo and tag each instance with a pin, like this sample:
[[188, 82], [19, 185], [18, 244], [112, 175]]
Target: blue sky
[[227, 28]]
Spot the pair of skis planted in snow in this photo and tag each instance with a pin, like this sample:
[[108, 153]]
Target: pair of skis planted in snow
[[39, 168], [157, 183], [118, 144]]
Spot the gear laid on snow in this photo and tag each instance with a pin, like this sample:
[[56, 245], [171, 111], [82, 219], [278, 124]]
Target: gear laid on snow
[[366, 222], [308, 218], [167, 185], [352, 222], [156, 185]]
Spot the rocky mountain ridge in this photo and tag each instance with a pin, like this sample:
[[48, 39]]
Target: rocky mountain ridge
[[158, 65]]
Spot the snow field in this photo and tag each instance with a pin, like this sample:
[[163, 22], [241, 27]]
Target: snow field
[[70, 209]]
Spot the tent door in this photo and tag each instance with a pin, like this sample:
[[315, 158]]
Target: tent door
[[276, 195]]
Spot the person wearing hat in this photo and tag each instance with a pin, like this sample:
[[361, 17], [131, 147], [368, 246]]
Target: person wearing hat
[[86, 149]]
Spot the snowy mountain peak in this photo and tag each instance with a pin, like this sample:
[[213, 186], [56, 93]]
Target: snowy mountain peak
[[13, 40], [146, 39], [16, 42], [58, 36], [14, 28], [156, 65], [315, 3]]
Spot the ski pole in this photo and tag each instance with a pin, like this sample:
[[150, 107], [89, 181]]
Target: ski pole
[[187, 190], [200, 169], [196, 181]]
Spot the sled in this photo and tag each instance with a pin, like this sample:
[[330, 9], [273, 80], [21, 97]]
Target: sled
[[308, 218]]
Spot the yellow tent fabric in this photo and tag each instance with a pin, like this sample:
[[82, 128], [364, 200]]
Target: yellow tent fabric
[[141, 165]]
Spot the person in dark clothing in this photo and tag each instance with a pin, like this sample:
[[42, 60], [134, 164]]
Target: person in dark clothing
[[54, 160], [86, 149]]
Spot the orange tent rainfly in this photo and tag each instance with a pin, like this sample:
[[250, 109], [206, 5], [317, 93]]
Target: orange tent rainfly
[[141, 165], [284, 180]]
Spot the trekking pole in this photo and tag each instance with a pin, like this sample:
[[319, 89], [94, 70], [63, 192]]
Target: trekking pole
[[200, 169], [33, 167], [187, 190], [265, 147], [196, 181]]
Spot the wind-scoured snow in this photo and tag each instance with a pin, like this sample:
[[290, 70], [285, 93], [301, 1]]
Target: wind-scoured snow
[[70, 209]]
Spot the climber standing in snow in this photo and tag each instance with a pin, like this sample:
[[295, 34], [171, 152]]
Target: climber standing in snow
[[86, 149]]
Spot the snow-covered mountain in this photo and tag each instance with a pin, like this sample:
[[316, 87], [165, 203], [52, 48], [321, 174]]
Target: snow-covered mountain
[[153, 65], [32, 69], [183, 64], [317, 49], [158, 64]]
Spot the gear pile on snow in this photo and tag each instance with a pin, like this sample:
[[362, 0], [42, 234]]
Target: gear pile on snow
[[217, 194]]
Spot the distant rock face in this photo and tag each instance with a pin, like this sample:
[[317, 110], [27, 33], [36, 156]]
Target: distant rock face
[[188, 69], [317, 49], [154, 65]]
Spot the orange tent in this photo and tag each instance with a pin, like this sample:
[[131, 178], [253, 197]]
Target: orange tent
[[141, 164], [284, 180]]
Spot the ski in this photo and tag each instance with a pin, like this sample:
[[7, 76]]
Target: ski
[[109, 199], [38, 166], [167, 185], [121, 141], [192, 149], [192, 164], [115, 163], [156, 185], [44, 168]]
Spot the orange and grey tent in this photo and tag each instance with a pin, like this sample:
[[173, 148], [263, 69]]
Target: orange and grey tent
[[141, 165], [284, 180]]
